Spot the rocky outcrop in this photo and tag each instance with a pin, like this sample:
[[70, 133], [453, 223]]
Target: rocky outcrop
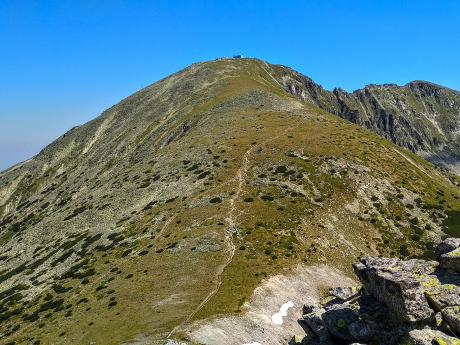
[[343, 321], [451, 260], [400, 302], [431, 337], [447, 246], [396, 283], [420, 116]]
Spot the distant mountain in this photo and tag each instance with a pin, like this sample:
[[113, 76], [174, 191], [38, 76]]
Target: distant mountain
[[420, 116], [163, 215]]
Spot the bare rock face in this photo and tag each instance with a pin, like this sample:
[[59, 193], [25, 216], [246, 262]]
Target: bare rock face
[[451, 260], [394, 282], [339, 320], [401, 302], [452, 316], [420, 116], [429, 337], [447, 246], [344, 293]]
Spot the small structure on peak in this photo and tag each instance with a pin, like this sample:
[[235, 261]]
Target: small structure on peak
[[238, 56]]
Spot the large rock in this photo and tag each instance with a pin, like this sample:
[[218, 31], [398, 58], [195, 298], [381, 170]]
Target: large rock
[[314, 321], [344, 293], [450, 260], [443, 296], [447, 246], [397, 284], [431, 337], [339, 319], [452, 317], [397, 299], [360, 331], [441, 289]]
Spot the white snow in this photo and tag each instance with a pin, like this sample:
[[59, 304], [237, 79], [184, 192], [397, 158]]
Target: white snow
[[277, 318]]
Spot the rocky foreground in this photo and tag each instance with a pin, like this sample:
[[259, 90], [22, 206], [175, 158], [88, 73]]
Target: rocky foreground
[[400, 302]]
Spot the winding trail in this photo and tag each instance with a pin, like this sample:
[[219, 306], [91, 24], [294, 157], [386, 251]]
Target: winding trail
[[412, 162], [231, 228]]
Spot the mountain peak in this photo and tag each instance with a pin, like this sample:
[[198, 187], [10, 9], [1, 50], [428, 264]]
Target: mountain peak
[[175, 204]]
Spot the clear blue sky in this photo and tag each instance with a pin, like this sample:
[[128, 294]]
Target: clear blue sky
[[63, 62]]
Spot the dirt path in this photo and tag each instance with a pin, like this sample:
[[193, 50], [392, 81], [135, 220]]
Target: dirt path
[[231, 228], [412, 162]]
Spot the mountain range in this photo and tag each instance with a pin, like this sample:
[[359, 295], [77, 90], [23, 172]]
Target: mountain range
[[420, 116], [170, 213]]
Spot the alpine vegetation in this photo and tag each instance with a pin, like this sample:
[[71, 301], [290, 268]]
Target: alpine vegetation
[[209, 206]]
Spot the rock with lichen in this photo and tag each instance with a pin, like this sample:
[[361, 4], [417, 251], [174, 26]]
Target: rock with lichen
[[298, 340], [338, 320], [396, 283], [314, 320], [446, 246], [452, 317], [401, 302], [450, 260], [429, 336], [344, 293]]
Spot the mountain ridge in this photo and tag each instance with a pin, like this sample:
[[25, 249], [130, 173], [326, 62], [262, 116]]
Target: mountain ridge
[[175, 204], [447, 156], [421, 116]]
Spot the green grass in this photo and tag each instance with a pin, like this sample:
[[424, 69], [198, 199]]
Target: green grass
[[288, 210]]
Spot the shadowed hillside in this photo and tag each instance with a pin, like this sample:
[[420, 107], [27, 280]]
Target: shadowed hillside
[[420, 116]]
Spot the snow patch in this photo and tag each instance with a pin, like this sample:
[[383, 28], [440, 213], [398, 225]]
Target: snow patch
[[277, 318]]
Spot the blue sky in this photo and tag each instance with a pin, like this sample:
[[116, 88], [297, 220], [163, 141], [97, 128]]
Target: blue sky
[[63, 62]]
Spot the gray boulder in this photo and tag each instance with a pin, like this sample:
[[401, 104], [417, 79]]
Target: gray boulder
[[447, 246], [314, 321], [344, 293], [441, 289], [450, 260], [398, 297], [431, 337], [338, 320], [396, 283], [443, 296], [451, 316], [360, 331]]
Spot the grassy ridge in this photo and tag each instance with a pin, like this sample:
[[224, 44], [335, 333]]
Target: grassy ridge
[[202, 186]]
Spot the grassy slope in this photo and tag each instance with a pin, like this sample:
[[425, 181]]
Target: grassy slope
[[287, 184]]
